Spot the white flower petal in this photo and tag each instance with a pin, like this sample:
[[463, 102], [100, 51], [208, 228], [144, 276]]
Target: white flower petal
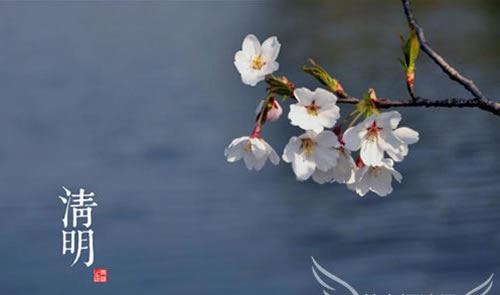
[[389, 119], [324, 97], [249, 160], [252, 77], [235, 150], [371, 153], [291, 149], [237, 140], [251, 45], [398, 156], [329, 116], [269, 68], [242, 61], [259, 148], [309, 134], [381, 184], [299, 117], [303, 95], [397, 175], [325, 158], [362, 184], [234, 153], [303, 167], [368, 122], [313, 125], [346, 168], [297, 113], [391, 144], [387, 163], [407, 135], [270, 49], [352, 138], [327, 139], [273, 156], [322, 177], [259, 163]]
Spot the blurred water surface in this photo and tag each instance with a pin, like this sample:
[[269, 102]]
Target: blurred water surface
[[137, 100]]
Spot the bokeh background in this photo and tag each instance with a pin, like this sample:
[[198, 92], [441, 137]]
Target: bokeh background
[[136, 102]]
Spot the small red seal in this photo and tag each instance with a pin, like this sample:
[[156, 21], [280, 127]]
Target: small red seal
[[100, 275]]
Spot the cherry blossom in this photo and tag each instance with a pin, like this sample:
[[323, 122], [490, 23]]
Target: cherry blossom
[[311, 151], [376, 134], [273, 113], [322, 152], [254, 150], [255, 61], [377, 178], [343, 172], [314, 110]]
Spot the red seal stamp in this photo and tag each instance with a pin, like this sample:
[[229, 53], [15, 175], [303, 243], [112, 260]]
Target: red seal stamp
[[100, 275]]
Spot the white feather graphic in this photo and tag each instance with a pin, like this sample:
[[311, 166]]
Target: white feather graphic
[[332, 277], [484, 287]]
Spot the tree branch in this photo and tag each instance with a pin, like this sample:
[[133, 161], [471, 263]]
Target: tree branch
[[384, 103], [479, 99], [283, 87]]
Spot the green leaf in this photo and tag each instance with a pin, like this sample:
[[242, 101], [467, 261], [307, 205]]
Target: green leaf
[[367, 104], [414, 48], [321, 75], [410, 48]]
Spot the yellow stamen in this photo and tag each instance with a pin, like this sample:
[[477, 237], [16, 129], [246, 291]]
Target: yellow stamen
[[257, 62], [308, 146], [375, 171], [248, 147], [373, 132], [312, 109]]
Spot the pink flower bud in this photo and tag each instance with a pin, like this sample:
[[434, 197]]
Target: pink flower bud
[[275, 111], [272, 112]]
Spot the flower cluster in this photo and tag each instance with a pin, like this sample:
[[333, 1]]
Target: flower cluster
[[322, 152]]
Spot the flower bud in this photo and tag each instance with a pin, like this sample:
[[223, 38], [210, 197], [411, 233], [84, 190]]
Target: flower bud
[[288, 82], [275, 111], [272, 112]]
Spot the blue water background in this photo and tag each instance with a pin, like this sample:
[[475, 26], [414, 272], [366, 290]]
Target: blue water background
[[136, 102]]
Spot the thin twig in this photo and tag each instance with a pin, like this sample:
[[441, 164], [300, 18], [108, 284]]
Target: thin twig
[[383, 103], [438, 59], [478, 101], [411, 90]]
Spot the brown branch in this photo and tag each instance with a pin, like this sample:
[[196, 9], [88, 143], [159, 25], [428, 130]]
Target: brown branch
[[411, 90], [479, 100], [384, 103]]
